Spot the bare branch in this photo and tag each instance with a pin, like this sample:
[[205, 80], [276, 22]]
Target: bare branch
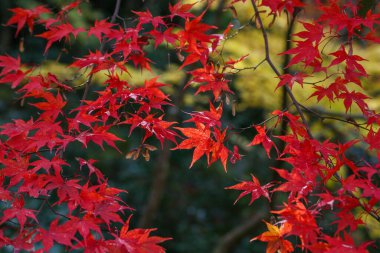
[[102, 45], [276, 71]]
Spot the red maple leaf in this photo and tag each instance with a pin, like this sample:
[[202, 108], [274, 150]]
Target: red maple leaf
[[275, 238], [146, 17], [9, 64], [100, 28], [254, 188], [197, 138], [354, 96], [289, 80], [14, 78], [210, 79], [26, 16], [138, 240], [167, 35], [181, 10], [18, 211], [332, 91], [98, 135], [58, 32], [52, 107], [262, 138], [209, 118], [152, 126]]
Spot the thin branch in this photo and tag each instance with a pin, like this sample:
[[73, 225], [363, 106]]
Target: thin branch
[[349, 119], [370, 212], [52, 209], [262, 122], [249, 68], [291, 95], [102, 45], [321, 81], [227, 241], [275, 70]]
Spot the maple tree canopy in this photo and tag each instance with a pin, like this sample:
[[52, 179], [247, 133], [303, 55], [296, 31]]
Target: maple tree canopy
[[315, 181]]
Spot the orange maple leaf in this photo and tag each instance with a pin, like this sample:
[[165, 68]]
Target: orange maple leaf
[[275, 238]]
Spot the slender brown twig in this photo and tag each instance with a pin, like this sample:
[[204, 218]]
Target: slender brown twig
[[276, 71], [292, 97], [102, 46]]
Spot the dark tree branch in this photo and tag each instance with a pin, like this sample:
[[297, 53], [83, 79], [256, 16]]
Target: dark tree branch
[[161, 173], [162, 169], [102, 46], [295, 102], [231, 238], [276, 71], [349, 119]]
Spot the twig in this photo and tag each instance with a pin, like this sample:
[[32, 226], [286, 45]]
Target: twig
[[248, 68], [102, 45], [275, 70], [291, 95], [52, 209], [335, 116], [370, 212], [230, 239]]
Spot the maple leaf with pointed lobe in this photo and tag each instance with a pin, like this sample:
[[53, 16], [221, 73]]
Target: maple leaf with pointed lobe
[[181, 10], [277, 6], [197, 138], [373, 139], [26, 16], [194, 32], [313, 32], [354, 96], [152, 126], [98, 135], [70, 6], [218, 150], [9, 64], [332, 91], [209, 118], [254, 188], [58, 32], [146, 17], [84, 225], [289, 80], [166, 35], [62, 233], [100, 28], [92, 169], [351, 61], [344, 245], [347, 220], [302, 220], [235, 155], [137, 240], [18, 211], [52, 107], [262, 138], [296, 183], [305, 52], [14, 78], [99, 61], [275, 238], [209, 79]]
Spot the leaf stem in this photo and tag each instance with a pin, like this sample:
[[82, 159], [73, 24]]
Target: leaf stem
[[275, 70], [102, 45]]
